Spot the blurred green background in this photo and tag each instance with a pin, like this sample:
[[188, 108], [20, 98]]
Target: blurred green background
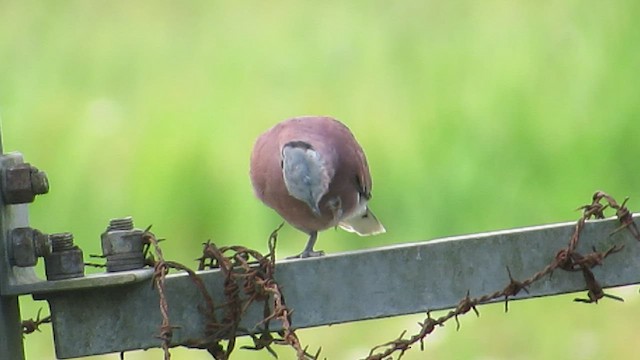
[[475, 116]]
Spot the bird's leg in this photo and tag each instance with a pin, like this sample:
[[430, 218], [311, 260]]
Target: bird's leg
[[308, 249]]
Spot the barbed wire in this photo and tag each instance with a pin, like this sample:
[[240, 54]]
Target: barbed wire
[[31, 325], [248, 279], [567, 259], [161, 269]]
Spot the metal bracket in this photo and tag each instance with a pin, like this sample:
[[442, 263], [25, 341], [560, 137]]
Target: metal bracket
[[21, 245]]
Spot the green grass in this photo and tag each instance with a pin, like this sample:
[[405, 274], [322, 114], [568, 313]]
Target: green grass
[[474, 115]]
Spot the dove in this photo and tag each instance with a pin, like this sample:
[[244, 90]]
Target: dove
[[314, 174]]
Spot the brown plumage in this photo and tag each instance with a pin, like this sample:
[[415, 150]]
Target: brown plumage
[[313, 172]]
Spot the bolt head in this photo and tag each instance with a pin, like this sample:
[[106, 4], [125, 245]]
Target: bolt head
[[22, 182], [23, 247], [27, 244]]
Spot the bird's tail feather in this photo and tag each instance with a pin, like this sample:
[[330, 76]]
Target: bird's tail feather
[[363, 224]]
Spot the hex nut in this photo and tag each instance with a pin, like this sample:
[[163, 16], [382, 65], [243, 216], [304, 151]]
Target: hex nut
[[22, 182], [123, 249], [23, 247], [27, 244], [66, 264]]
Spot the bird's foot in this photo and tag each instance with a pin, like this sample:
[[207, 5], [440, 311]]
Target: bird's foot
[[307, 254]]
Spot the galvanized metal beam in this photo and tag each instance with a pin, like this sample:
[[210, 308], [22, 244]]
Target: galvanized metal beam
[[373, 283]]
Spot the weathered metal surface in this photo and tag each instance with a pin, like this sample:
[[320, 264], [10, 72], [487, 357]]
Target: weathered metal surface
[[10, 328], [373, 283], [30, 284], [122, 245], [65, 260], [22, 182], [13, 216], [27, 245]]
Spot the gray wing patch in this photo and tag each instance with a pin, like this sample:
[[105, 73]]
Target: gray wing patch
[[304, 174]]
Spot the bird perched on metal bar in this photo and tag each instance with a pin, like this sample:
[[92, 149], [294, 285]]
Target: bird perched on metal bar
[[312, 171]]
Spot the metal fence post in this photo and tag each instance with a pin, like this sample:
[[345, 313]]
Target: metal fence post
[[11, 346], [10, 328]]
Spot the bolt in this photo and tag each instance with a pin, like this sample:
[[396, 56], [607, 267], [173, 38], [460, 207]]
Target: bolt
[[61, 241], [65, 260], [42, 244], [39, 181], [22, 182], [122, 245], [27, 245], [125, 223]]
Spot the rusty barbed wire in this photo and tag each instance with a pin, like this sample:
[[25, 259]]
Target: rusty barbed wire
[[161, 269], [30, 325], [567, 259], [248, 279]]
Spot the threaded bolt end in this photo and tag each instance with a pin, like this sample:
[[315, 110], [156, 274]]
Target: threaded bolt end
[[125, 223], [39, 181], [61, 241]]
